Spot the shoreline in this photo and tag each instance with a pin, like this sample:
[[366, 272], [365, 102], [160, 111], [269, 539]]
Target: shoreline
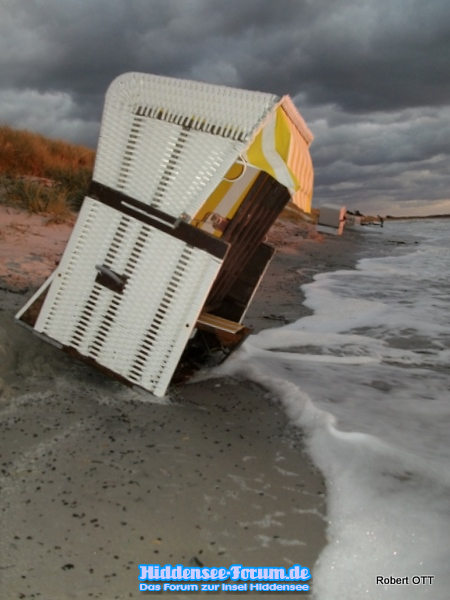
[[98, 479]]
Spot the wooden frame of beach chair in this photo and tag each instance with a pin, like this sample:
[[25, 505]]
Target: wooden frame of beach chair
[[167, 251]]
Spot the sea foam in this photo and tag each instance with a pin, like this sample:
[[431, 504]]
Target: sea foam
[[366, 377]]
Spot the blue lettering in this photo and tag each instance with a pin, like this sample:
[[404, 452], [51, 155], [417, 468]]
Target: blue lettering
[[149, 587], [235, 572], [146, 572], [210, 587], [277, 574], [298, 572], [180, 587]]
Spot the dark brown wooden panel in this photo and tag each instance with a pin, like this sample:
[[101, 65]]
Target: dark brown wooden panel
[[239, 296], [246, 231]]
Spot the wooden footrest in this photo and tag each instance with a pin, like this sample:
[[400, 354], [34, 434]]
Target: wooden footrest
[[210, 322]]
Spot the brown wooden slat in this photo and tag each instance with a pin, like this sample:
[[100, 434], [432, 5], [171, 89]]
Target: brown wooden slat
[[247, 230], [160, 220]]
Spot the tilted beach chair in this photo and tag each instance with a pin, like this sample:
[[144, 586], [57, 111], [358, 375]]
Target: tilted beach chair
[[168, 250]]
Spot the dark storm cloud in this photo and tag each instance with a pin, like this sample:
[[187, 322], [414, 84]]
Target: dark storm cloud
[[383, 159], [380, 55], [369, 76], [79, 47]]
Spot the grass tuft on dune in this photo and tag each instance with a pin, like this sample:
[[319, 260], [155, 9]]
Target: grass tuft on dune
[[43, 175]]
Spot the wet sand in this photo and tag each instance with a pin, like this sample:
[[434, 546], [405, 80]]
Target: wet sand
[[97, 478]]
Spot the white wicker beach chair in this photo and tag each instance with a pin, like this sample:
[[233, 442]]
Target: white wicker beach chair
[[151, 236]]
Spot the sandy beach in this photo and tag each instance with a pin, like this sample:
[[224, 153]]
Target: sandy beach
[[97, 479]]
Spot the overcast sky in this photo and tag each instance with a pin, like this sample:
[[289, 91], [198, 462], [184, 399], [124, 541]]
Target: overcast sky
[[370, 77]]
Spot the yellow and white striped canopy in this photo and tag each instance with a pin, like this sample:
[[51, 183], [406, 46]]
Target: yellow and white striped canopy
[[281, 148]]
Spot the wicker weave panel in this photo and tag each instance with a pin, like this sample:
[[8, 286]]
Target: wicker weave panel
[[141, 333], [231, 112], [169, 142], [164, 166]]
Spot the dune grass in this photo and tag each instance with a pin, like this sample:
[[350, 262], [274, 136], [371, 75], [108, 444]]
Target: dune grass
[[43, 175]]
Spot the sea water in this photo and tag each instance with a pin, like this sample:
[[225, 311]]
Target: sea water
[[367, 377]]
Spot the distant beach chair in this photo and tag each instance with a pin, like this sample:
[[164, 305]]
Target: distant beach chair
[[353, 222], [168, 251], [331, 219]]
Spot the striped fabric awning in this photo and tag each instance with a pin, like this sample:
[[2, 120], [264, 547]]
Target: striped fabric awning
[[281, 148]]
